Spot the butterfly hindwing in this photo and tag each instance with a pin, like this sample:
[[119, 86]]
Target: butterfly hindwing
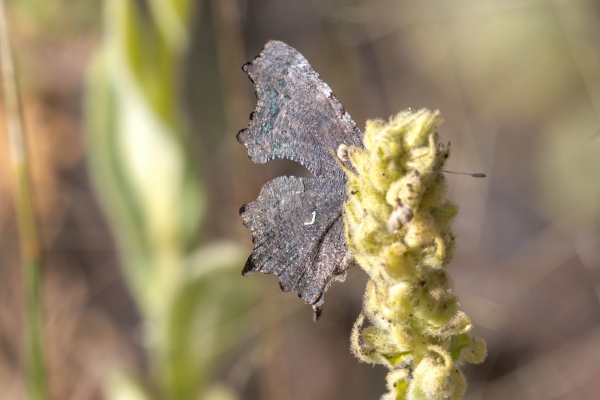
[[298, 234]]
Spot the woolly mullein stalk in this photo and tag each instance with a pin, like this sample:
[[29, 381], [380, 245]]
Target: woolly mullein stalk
[[398, 226]]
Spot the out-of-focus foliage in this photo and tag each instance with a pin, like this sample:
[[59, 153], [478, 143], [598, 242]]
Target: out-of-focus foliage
[[140, 145], [29, 237], [570, 159], [49, 16], [571, 162], [193, 300]]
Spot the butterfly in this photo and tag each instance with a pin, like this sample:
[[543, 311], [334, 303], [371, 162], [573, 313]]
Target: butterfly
[[297, 223]]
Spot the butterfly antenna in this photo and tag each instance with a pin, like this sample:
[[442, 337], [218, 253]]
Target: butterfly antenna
[[466, 173]]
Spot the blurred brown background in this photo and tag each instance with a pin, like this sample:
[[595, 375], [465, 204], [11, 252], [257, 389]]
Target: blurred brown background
[[518, 85]]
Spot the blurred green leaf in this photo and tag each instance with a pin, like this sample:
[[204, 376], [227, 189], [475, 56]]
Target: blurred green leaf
[[173, 19], [124, 387], [207, 316], [112, 185], [194, 303], [140, 152]]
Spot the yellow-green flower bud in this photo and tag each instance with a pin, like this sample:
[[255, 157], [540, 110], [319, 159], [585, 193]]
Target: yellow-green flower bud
[[398, 226]]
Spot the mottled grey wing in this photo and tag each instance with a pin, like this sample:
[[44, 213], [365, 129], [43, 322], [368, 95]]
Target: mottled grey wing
[[298, 234], [296, 223], [297, 116]]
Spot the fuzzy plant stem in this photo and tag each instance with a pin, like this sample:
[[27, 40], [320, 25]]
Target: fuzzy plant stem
[[31, 249], [398, 226]]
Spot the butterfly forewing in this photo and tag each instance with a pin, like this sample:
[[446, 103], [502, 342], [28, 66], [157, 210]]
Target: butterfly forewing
[[297, 116]]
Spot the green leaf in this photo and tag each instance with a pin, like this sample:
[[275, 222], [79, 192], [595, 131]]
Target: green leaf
[[207, 317]]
